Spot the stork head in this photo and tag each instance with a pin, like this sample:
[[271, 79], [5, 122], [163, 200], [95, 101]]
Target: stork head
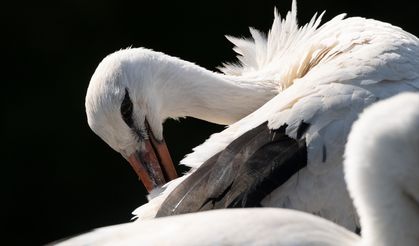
[[123, 108]]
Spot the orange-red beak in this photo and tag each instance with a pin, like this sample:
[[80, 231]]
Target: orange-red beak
[[153, 165]]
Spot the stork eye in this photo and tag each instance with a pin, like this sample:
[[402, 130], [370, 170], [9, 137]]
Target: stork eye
[[126, 110]]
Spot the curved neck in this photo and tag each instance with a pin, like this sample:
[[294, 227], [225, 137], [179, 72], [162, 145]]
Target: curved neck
[[185, 89], [382, 176]]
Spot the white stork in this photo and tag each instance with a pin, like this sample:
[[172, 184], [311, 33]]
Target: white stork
[[382, 175], [301, 89]]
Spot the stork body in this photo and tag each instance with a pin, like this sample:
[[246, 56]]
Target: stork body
[[287, 152]]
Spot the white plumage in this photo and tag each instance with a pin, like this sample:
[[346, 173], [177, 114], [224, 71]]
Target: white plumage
[[321, 75], [382, 174], [247, 226], [382, 171]]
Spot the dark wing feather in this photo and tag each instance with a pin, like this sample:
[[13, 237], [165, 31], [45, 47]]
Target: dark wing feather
[[241, 175]]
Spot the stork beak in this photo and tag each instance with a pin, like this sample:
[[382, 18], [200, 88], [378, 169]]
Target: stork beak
[[153, 164]]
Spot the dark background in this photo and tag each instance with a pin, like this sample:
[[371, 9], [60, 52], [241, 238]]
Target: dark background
[[58, 178]]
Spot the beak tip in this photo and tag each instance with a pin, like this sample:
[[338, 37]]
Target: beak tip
[[153, 164]]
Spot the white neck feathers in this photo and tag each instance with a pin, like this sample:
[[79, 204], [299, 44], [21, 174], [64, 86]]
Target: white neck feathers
[[382, 171], [179, 88]]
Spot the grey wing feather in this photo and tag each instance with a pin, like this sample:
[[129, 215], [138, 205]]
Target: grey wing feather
[[250, 168]]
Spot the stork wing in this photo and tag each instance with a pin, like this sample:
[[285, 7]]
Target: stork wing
[[241, 175]]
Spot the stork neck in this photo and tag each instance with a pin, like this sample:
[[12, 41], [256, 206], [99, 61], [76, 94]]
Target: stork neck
[[394, 221], [385, 193], [186, 89]]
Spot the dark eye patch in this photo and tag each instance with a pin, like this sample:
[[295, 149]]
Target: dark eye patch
[[126, 110]]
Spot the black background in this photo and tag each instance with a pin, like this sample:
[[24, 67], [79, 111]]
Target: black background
[[58, 178]]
